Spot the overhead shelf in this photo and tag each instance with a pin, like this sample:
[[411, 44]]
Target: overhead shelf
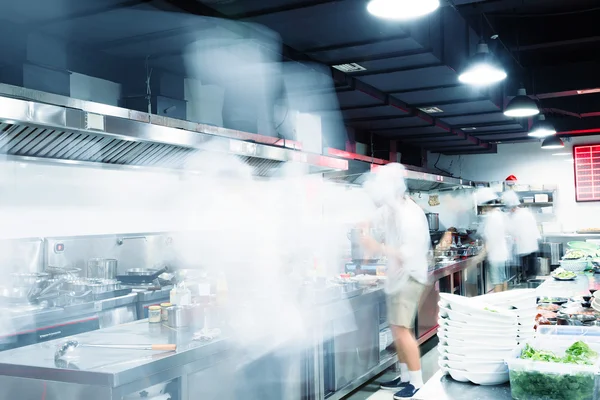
[[38, 126]]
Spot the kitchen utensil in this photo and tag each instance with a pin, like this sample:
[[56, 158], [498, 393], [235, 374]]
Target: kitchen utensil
[[178, 316], [58, 272], [102, 268], [133, 279], [29, 279], [72, 344], [141, 271], [76, 286], [433, 219]]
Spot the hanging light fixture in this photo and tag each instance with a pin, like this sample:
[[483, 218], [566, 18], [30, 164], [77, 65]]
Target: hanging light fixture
[[542, 128], [402, 9], [483, 69], [521, 106], [552, 142]]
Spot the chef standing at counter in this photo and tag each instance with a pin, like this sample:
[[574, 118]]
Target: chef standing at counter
[[494, 233], [523, 231], [406, 245]]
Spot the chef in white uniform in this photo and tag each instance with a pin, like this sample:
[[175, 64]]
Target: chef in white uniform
[[494, 232], [522, 227]]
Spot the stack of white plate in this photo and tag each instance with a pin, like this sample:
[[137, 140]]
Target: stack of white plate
[[476, 337], [596, 302], [521, 302]]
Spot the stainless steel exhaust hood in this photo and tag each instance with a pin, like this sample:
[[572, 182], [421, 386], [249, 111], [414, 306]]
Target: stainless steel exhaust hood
[[417, 179], [38, 126]]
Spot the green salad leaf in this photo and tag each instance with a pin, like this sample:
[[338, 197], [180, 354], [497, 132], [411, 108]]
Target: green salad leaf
[[530, 384]]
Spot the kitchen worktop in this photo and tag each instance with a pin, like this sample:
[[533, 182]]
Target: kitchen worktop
[[109, 367], [442, 387]]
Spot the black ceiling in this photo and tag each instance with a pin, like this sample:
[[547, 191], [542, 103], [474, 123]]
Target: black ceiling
[[551, 47]]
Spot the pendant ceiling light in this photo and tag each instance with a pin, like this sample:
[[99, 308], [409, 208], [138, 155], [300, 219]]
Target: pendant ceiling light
[[552, 142], [542, 128], [483, 69], [402, 9], [521, 106]]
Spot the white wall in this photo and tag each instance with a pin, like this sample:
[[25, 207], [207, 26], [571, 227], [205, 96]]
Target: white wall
[[530, 164]]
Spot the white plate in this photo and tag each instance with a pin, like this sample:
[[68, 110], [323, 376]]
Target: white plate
[[486, 326], [479, 319], [487, 379], [488, 367], [484, 343], [473, 306], [475, 352], [455, 357], [494, 340]]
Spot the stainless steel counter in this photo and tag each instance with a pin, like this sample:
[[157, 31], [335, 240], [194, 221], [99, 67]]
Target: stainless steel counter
[[102, 374], [442, 387]]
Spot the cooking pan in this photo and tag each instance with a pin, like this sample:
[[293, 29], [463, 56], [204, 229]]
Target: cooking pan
[[141, 271], [141, 277]]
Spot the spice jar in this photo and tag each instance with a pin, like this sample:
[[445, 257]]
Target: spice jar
[[154, 314], [163, 311]]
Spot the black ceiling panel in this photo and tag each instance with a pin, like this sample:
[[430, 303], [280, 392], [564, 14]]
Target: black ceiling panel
[[466, 108], [465, 120], [413, 79], [372, 112], [440, 95], [334, 55], [388, 123], [356, 99]]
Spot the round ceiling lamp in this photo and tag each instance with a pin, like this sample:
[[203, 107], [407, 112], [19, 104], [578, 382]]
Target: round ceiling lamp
[[542, 128], [552, 142], [521, 106], [482, 69], [402, 9]]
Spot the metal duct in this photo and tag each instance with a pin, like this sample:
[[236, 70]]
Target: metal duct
[[78, 132]]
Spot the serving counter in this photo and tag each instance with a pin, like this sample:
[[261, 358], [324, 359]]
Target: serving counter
[[443, 387], [340, 351]]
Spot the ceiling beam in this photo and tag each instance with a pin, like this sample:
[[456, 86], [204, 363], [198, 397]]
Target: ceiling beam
[[382, 56], [358, 43], [548, 45], [284, 8], [91, 12]]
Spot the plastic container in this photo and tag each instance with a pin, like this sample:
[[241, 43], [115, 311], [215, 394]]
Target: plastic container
[[536, 380]]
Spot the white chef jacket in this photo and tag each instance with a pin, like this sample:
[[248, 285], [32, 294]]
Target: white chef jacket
[[523, 229], [406, 231], [494, 232]]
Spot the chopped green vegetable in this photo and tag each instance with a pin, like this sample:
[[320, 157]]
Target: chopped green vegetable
[[534, 385], [579, 353], [490, 310]]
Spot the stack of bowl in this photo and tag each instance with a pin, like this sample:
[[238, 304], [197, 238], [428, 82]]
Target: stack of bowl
[[520, 302], [476, 337]]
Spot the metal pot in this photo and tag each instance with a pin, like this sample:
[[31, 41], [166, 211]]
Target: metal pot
[[357, 251], [102, 268], [76, 286], [29, 279], [178, 316], [60, 272], [433, 220], [141, 271]]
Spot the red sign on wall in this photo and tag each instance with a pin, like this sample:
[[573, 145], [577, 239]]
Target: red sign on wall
[[587, 172]]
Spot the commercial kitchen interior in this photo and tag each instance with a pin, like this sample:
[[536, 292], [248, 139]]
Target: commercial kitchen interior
[[202, 135]]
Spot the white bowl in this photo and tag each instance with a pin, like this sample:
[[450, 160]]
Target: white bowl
[[459, 376], [489, 367], [485, 326], [475, 351], [487, 379], [456, 357], [480, 318], [484, 343], [473, 306], [519, 298], [494, 340]]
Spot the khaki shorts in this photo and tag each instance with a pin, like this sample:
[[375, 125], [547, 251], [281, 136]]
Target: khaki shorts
[[402, 307]]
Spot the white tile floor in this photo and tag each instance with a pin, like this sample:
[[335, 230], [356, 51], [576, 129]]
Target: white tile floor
[[371, 391]]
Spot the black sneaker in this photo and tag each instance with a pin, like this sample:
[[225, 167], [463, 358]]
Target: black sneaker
[[407, 393], [396, 384]]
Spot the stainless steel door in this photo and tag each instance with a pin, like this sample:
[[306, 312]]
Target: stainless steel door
[[356, 351]]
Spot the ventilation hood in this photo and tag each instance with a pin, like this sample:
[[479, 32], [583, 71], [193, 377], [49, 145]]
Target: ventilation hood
[[417, 179], [39, 126]]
